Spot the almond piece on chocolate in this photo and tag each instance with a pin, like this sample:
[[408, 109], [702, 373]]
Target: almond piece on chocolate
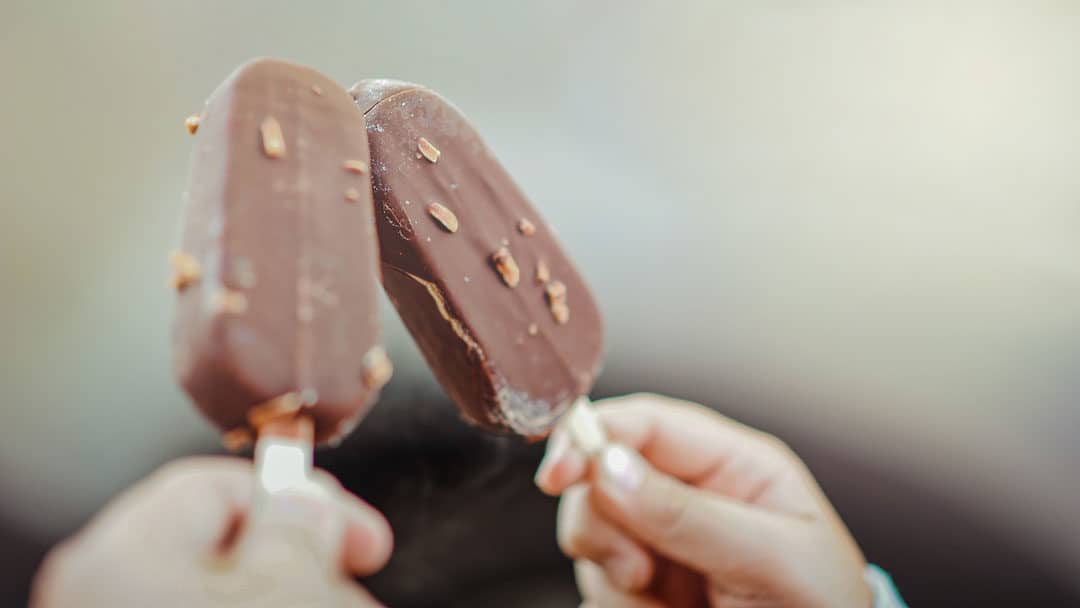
[[356, 166], [556, 297], [429, 151], [444, 216], [272, 139], [377, 368], [507, 267], [556, 292], [282, 405], [543, 275], [526, 227], [237, 439], [561, 312], [192, 123], [186, 270]]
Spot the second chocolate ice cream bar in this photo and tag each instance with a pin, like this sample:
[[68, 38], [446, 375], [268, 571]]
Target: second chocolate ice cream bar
[[500, 313]]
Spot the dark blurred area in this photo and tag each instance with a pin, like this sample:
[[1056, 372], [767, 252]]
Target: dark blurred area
[[852, 225], [471, 529]]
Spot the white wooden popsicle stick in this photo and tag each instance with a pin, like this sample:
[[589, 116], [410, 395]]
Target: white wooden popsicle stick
[[284, 460], [292, 511], [585, 428]]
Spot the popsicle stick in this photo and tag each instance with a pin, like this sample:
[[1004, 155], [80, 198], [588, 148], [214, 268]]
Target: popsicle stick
[[283, 454], [585, 428], [292, 511]]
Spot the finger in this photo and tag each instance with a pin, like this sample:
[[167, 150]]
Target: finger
[[352, 595], [368, 540], [202, 504], [562, 466], [317, 522], [694, 527], [598, 591], [699, 446], [582, 533], [191, 505], [680, 586]]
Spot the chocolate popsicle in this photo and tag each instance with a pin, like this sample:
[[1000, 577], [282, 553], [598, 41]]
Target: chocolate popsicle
[[499, 311], [277, 274]]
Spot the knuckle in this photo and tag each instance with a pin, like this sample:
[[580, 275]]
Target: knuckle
[[649, 400], [571, 531], [184, 477], [175, 476], [178, 468], [590, 579], [182, 470], [327, 481], [674, 514], [572, 539], [633, 402], [776, 444]]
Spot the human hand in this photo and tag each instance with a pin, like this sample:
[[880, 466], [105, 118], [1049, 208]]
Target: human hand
[[688, 508], [187, 536]]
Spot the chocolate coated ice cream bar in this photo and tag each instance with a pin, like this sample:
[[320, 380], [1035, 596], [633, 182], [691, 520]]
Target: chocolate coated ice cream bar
[[277, 274], [498, 309]]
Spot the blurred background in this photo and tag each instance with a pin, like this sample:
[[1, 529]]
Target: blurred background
[[854, 225]]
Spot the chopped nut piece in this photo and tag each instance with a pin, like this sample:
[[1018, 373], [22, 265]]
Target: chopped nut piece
[[444, 216], [272, 139], [507, 267], [429, 151], [526, 227], [192, 123], [352, 195], [230, 301], [533, 329], [316, 89], [237, 439], [356, 166], [186, 270], [561, 312], [543, 275], [377, 368], [556, 297], [556, 292], [283, 405]]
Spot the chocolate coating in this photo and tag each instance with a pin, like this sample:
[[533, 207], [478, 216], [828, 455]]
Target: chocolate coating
[[511, 357], [283, 233]]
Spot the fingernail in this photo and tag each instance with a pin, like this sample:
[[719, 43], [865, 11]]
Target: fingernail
[[621, 469], [557, 446]]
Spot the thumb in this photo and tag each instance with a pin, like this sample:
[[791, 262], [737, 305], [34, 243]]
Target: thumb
[[701, 530], [302, 526]]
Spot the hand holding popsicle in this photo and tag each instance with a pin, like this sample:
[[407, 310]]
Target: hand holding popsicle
[[684, 503], [276, 335], [203, 532]]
